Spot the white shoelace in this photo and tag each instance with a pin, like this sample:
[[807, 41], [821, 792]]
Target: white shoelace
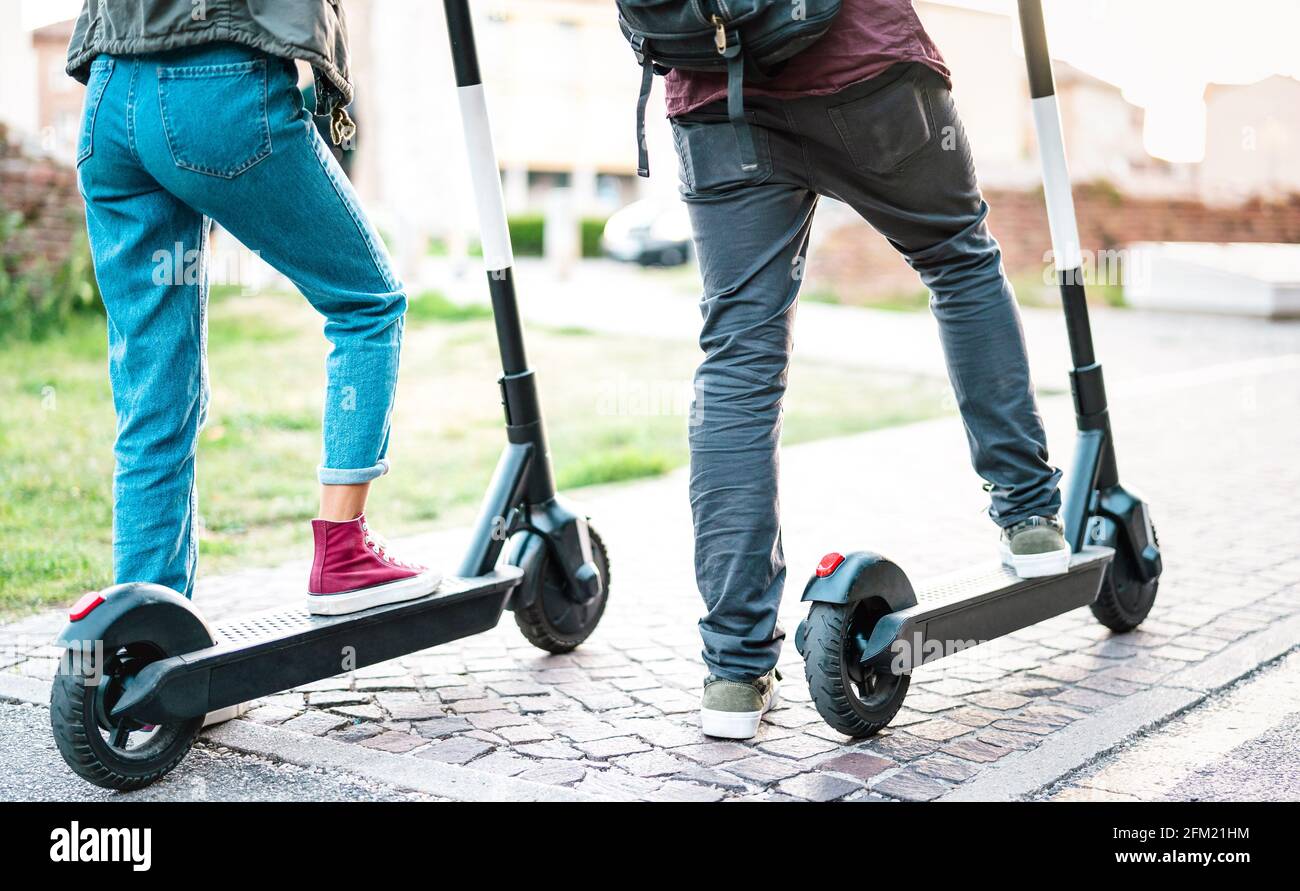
[[380, 546]]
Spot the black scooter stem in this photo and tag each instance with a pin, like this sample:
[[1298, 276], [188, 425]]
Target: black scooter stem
[[1096, 445], [1061, 218], [494, 231], [518, 385], [498, 258], [464, 54]]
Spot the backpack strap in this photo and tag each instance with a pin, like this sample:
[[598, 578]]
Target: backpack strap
[[736, 106], [647, 82]]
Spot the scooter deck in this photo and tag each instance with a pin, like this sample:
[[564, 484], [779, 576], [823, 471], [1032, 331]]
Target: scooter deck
[[973, 606], [280, 649]]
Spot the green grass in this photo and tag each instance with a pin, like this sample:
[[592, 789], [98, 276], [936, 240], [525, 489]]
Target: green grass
[[1110, 295], [431, 306], [568, 330], [218, 292], [917, 300], [1031, 290], [613, 466], [55, 467], [616, 410]]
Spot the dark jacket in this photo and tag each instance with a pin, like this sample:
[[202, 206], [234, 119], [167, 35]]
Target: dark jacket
[[311, 30]]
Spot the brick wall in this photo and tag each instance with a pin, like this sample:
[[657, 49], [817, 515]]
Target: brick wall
[[44, 193], [859, 266]]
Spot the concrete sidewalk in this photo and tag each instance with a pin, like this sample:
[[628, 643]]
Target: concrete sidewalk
[[1213, 449], [617, 298]]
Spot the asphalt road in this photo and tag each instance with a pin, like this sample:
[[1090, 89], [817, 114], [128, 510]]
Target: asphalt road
[[1266, 768], [1239, 745], [34, 771]]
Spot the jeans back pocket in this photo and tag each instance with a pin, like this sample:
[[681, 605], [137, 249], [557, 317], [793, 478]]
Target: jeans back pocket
[[100, 71], [883, 130], [709, 151], [214, 116]]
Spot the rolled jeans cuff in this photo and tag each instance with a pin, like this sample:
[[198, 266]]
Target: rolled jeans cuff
[[332, 476]]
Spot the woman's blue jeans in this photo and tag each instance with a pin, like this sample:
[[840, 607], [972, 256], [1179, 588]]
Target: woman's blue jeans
[[169, 142]]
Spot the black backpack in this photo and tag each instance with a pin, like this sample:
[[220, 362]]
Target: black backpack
[[744, 38]]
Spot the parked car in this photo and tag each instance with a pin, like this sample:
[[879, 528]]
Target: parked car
[[651, 233]]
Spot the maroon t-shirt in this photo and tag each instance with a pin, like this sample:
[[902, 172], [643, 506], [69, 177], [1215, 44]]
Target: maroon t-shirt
[[867, 37]]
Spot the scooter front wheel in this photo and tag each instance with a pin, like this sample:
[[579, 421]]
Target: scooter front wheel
[[114, 753], [555, 621], [854, 699], [1125, 599]]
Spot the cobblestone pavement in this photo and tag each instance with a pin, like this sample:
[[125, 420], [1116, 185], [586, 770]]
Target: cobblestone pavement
[[1241, 746], [1213, 450]]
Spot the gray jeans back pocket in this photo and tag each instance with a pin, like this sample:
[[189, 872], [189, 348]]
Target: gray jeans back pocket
[[214, 116], [709, 151], [881, 131]]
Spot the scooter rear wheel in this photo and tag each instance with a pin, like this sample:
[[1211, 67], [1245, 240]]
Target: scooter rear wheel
[[854, 699], [115, 754], [554, 621]]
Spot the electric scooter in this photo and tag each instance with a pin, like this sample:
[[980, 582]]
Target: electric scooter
[[867, 627], [142, 668]]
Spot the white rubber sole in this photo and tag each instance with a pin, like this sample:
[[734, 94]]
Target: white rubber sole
[[381, 595], [736, 725], [1033, 566]]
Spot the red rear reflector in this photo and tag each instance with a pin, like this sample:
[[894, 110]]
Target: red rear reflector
[[829, 564], [82, 607]]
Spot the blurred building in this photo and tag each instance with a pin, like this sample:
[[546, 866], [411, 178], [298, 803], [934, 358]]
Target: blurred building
[[58, 97], [1104, 139], [1103, 130], [1252, 143], [562, 86], [18, 93], [564, 78]]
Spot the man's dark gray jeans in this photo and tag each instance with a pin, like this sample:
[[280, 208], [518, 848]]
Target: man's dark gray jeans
[[894, 150]]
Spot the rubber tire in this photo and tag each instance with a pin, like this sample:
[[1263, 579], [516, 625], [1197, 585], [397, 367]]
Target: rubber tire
[[537, 627], [828, 682], [1110, 608], [76, 733]]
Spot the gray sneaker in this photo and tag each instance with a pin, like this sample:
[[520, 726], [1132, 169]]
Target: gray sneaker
[[733, 709], [1035, 547]]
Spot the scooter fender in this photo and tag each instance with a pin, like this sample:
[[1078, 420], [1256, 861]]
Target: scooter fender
[[138, 612], [1130, 514], [563, 529], [859, 576]]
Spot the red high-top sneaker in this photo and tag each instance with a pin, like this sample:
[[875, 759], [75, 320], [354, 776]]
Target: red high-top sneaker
[[355, 570]]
